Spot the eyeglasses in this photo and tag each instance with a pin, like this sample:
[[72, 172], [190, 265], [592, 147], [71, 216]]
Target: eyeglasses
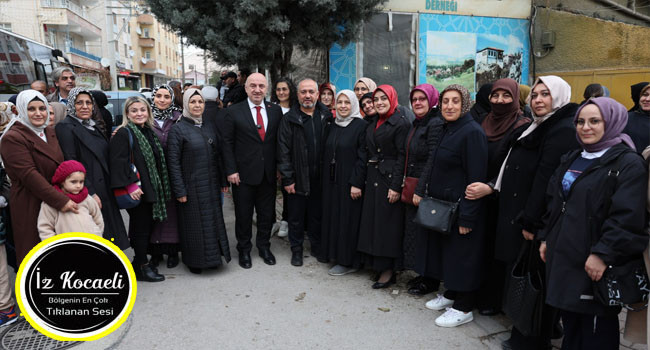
[[83, 103], [592, 122], [418, 99]]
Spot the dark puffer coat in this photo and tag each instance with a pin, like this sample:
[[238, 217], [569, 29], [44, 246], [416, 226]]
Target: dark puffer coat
[[589, 221], [194, 156]]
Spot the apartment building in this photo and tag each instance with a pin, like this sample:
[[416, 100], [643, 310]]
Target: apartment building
[[157, 58]]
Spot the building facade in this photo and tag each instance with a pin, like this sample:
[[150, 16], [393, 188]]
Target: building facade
[[157, 58]]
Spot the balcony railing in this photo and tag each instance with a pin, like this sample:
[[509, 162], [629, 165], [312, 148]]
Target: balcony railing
[[146, 42], [65, 4], [85, 54]]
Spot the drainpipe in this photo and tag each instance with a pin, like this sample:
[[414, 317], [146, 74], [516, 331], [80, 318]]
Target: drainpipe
[[624, 9]]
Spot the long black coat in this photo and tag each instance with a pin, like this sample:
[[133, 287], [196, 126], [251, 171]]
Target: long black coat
[[341, 214], [459, 160], [426, 132], [590, 221], [531, 164], [195, 171], [638, 127], [90, 148], [382, 223]]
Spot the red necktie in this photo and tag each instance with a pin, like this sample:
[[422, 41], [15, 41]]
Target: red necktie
[[260, 122]]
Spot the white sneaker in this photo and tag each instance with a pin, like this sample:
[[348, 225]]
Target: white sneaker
[[439, 303], [284, 229], [453, 318], [275, 228]]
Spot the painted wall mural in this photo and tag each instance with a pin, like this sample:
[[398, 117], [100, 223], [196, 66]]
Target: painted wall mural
[[471, 51]]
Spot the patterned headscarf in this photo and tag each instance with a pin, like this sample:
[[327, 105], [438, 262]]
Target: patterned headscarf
[[615, 118], [464, 96], [72, 97], [164, 114], [354, 108]]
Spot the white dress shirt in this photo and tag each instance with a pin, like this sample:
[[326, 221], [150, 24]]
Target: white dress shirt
[[252, 106]]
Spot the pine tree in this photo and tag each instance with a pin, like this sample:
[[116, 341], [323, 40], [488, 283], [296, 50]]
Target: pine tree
[[263, 33]]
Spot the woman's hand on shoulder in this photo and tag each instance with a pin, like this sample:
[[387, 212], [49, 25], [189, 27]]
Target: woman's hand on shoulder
[[70, 206], [477, 190], [98, 200]]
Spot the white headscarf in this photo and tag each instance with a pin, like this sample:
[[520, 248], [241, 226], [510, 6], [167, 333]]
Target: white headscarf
[[561, 95], [354, 108], [22, 101]]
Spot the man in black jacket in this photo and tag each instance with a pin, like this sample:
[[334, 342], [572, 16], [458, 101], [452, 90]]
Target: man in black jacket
[[250, 137], [237, 92], [300, 141]]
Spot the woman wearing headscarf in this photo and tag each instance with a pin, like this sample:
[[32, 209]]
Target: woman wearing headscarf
[[638, 122], [363, 86], [367, 107], [326, 93], [136, 144], [523, 179], [164, 236], [59, 111], [635, 91], [81, 140], [456, 258], [196, 175], [102, 113], [481, 108], [382, 217], [502, 126], [586, 230], [422, 138], [30, 153], [344, 159]]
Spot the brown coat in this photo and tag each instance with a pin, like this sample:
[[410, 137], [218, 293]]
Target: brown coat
[[637, 324], [30, 163]]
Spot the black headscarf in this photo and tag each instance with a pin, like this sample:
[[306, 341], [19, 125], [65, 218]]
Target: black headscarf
[[482, 107], [636, 94]]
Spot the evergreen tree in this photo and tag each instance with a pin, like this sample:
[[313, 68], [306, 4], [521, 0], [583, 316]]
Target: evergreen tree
[[263, 33]]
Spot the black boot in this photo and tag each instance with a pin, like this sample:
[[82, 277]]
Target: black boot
[[146, 273], [155, 260], [172, 261]]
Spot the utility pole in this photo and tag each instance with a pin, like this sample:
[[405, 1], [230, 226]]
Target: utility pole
[[110, 44], [182, 62], [205, 67]]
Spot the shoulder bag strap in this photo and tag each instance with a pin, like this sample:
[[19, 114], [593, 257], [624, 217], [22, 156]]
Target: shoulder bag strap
[[406, 159]]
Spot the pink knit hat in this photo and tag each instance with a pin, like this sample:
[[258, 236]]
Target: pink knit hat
[[65, 169]]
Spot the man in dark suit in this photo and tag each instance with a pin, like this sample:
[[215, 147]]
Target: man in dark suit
[[250, 132]]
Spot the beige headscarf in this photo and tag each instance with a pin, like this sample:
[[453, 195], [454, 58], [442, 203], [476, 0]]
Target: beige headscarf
[[186, 105], [59, 111], [372, 86]]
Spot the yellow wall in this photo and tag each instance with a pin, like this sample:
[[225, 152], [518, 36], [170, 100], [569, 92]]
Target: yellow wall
[[617, 81], [589, 50], [586, 43]]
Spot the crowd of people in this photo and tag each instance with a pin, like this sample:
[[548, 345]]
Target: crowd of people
[[521, 166]]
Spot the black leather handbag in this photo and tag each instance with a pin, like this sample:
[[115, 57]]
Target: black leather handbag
[[524, 300], [436, 214]]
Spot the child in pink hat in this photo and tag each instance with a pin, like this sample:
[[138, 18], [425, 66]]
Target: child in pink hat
[[69, 179]]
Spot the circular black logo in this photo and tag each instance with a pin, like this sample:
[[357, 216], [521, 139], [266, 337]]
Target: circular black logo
[[76, 287]]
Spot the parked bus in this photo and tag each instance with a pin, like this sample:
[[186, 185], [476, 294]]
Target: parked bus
[[23, 60]]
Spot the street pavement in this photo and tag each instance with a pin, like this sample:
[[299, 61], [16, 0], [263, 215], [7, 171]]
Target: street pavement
[[287, 307]]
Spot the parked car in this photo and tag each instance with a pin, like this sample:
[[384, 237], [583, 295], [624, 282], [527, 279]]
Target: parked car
[[116, 101]]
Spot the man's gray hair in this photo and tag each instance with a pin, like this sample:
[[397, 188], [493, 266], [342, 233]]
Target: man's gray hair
[[58, 72]]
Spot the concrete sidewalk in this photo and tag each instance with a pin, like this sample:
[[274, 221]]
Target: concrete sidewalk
[[289, 307]]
